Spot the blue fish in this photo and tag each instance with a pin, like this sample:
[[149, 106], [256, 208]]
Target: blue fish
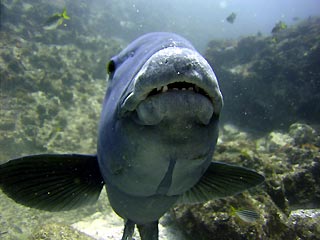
[[157, 134]]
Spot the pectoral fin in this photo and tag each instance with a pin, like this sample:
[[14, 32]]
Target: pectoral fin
[[221, 180], [52, 182]]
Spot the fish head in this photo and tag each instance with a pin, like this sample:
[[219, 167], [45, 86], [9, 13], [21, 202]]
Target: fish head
[[158, 127], [175, 87]]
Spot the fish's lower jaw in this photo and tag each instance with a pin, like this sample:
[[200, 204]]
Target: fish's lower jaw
[[175, 106]]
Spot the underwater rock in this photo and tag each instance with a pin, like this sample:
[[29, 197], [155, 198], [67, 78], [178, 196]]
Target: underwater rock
[[302, 133], [229, 132], [230, 129], [277, 140], [292, 173], [306, 223], [58, 231], [212, 220], [302, 187], [270, 82], [50, 92]]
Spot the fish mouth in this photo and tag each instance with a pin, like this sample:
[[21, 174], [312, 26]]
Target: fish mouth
[[173, 83], [176, 86]]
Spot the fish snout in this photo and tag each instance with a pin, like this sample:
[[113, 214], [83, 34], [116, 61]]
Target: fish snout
[[174, 83]]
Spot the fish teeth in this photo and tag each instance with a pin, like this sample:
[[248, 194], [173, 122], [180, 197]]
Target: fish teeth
[[165, 88]]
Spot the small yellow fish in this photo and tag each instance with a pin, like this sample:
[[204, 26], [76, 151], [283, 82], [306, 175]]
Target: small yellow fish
[[245, 215], [280, 26], [56, 20]]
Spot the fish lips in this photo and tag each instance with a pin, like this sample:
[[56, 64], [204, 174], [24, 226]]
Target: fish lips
[[185, 105], [173, 82]]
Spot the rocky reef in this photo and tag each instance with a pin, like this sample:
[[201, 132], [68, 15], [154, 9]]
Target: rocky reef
[[288, 203], [270, 82], [52, 87], [52, 84], [58, 231], [271, 90]]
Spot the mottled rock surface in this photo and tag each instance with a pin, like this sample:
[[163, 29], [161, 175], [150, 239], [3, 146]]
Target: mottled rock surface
[[58, 231], [270, 82], [292, 171]]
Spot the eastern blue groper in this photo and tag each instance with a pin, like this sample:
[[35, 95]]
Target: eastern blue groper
[[157, 134]]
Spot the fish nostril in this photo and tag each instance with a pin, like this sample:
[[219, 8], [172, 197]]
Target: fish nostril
[[182, 68]]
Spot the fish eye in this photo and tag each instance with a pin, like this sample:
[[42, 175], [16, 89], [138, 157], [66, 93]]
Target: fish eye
[[111, 67]]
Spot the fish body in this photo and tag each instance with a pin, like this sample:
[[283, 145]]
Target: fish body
[[246, 215], [157, 134], [280, 26], [231, 17], [154, 144], [56, 20]]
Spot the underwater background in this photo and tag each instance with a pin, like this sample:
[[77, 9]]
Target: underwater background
[[266, 55]]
